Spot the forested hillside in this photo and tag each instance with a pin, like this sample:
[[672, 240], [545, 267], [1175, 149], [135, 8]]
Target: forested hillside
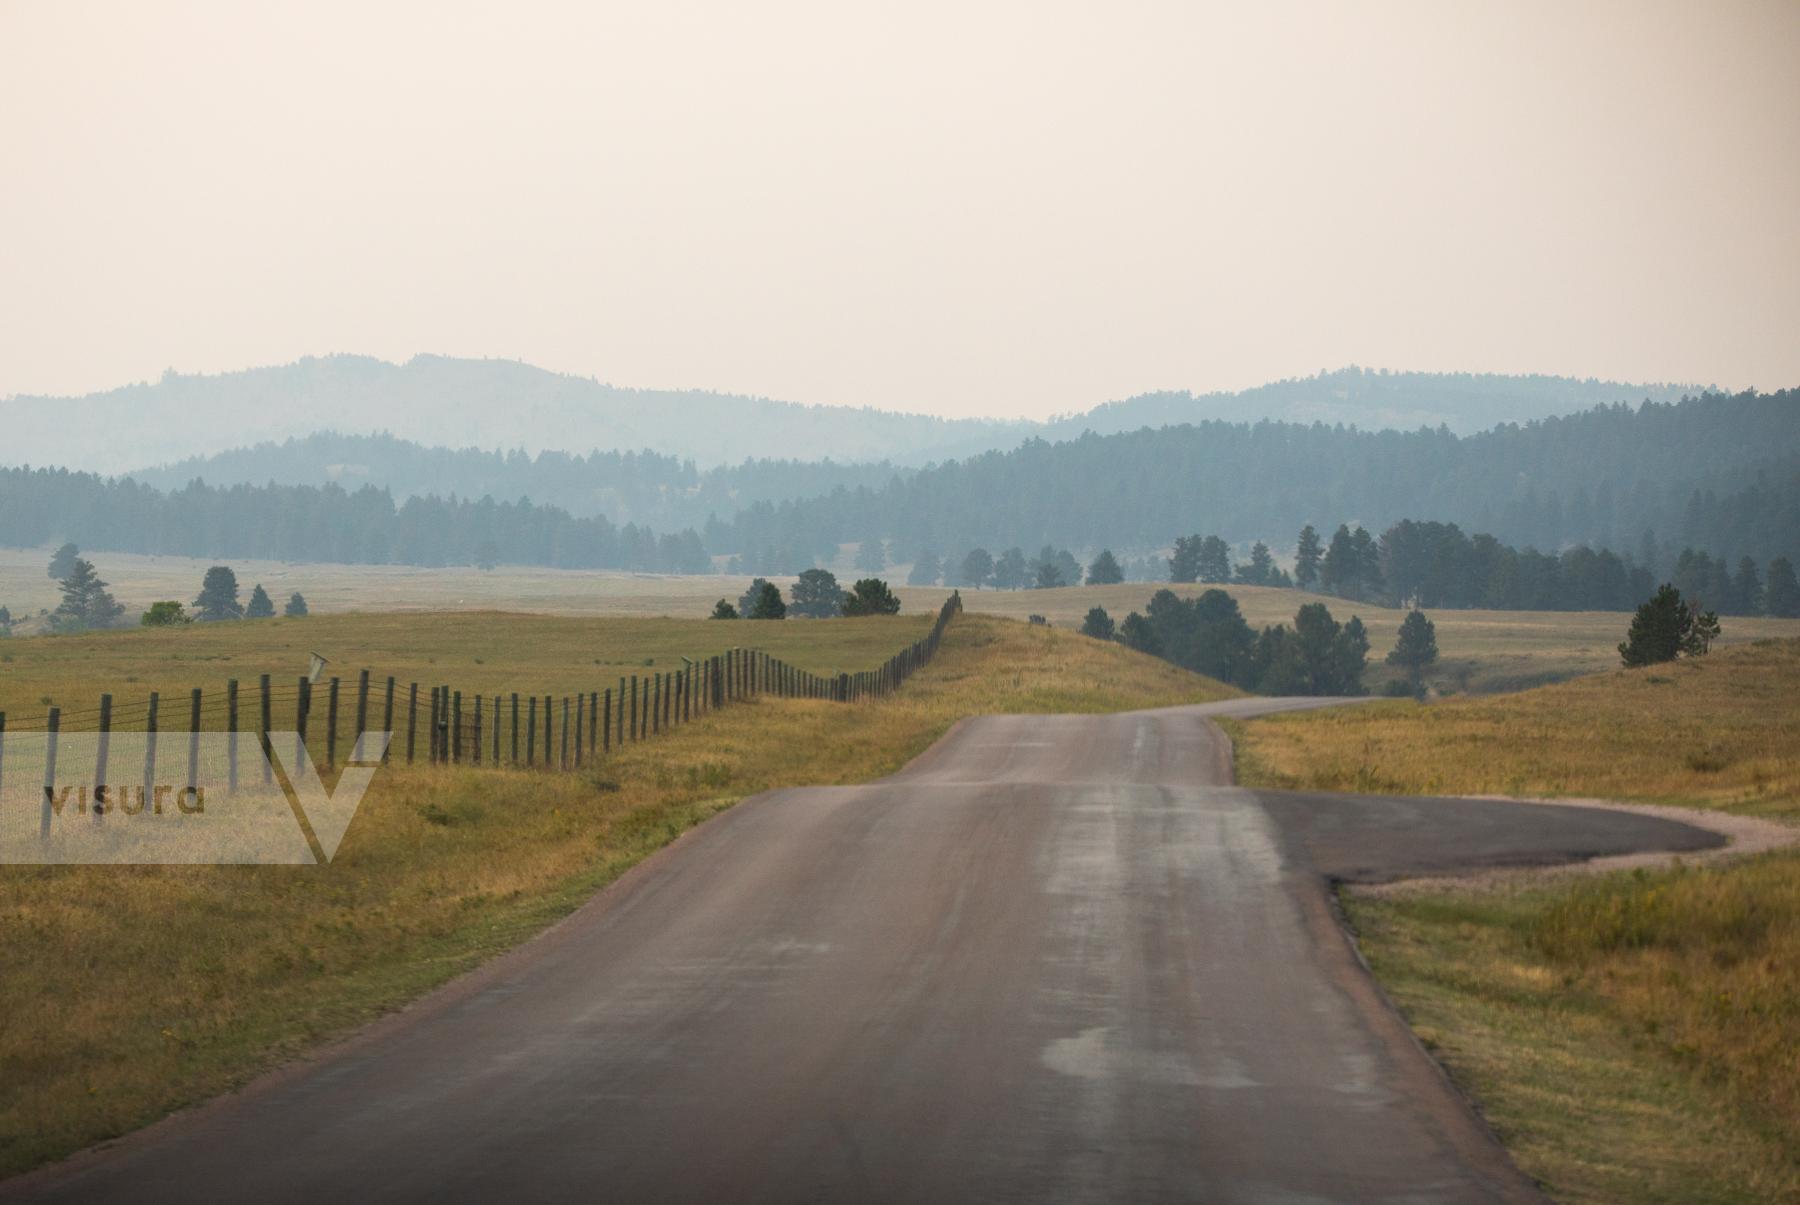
[[647, 488], [1718, 472]]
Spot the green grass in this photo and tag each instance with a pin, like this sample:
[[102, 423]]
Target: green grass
[[132, 991]]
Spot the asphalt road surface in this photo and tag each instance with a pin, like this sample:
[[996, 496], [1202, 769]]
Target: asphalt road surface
[[1057, 959]]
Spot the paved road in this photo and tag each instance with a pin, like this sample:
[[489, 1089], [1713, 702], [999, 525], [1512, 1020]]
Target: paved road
[[1054, 960]]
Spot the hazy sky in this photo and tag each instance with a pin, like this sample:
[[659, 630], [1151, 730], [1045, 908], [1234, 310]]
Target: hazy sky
[[961, 208]]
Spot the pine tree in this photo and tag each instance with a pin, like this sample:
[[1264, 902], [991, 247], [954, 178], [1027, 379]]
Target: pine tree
[[871, 556], [1049, 577], [768, 603], [1662, 630], [1214, 563], [85, 601], [1338, 570], [218, 596], [723, 610], [1011, 571], [1781, 597], [296, 606], [1261, 566], [925, 570], [1184, 566], [1105, 571], [62, 562], [1415, 649], [1098, 624], [1307, 555], [977, 567], [261, 605]]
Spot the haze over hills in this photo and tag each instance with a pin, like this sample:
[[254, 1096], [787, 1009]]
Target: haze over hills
[[501, 404]]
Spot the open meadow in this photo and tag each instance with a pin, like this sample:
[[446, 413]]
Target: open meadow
[[1480, 651], [131, 991], [1630, 1036]]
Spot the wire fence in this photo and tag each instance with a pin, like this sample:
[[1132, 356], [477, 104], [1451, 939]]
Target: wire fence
[[440, 724]]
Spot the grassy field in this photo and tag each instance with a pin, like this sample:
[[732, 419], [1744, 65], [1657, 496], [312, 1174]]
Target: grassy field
[[131, 991], [471, 651], [1480, 650], [1630, 1036]]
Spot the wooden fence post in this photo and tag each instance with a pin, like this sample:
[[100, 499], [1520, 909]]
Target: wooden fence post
[[193, 774], [477, 745], [412, 721], [331, 714], [593, 723], [634, 708], [362, 714], [231, 734], [150, 749], [563, 758], [580, 723], [431, 734], [302, 706], [496, 758], [387, 720], [531, 734], [52, 726], [455, 728], [515, 728], [606, 723], [547, 746], [264, 721], [103, 747]]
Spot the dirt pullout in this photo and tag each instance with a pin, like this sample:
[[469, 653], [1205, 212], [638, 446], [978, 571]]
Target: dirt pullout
[[1744, 836]]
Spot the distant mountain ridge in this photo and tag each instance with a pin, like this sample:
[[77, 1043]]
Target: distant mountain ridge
[[504, 404]]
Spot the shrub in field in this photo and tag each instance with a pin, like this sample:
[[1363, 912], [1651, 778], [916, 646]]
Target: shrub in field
[[296, 606], [168, 614], [1098, 624], [723, 610], [871, 596], [1105, 570]]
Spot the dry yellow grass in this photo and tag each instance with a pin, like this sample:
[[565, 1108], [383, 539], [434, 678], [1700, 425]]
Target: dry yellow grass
[[1632, 1036], [1721, 731], [130, 991]]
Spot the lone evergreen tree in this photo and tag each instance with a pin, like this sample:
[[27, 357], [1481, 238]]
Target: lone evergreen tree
[[261, 605], [1010, 570], [1214, 561], [85, 601], [62, 562], [1781, 596], [1098, 624], [1260, 570], [5, 622], [1415, 649], [817, 595], [1105, 571], [723, 610], [1665, 628], [977, 567], [1049, 576], [768, 604], [296, 606], [218, 596], [1307, 555], [871, 596]]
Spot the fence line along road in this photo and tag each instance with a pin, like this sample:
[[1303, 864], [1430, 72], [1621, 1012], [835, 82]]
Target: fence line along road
[[502, 730]]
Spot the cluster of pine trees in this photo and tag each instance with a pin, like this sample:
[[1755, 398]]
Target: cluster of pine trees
[[1209, 635], [1011, 570]]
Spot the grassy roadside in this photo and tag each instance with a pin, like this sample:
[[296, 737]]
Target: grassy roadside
[[131, 991], [1632, 1037]]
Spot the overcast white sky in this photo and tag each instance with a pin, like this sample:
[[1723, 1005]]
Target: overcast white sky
[[961, 208]]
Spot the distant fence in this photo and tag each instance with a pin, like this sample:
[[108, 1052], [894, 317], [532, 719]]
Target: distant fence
[[438, 724]]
